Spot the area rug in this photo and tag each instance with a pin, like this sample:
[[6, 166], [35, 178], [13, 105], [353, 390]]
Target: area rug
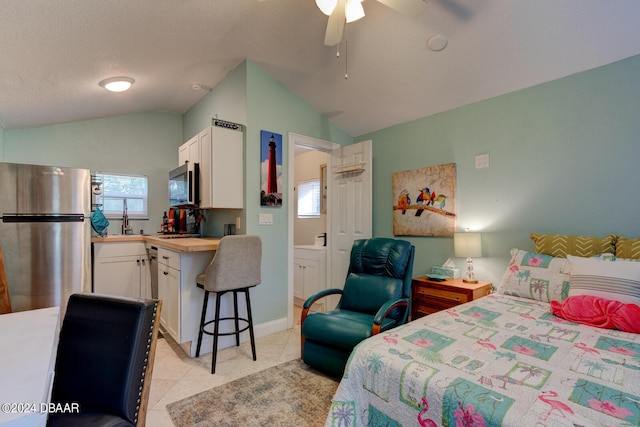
[[290, 394]]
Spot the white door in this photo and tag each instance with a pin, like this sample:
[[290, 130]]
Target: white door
[[351, 206]]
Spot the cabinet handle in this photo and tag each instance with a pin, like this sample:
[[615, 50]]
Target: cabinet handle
[[165, 257], [166, 273], [143, 262], [138, 261]]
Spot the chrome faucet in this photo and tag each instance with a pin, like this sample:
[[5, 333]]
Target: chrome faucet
[[127, 228]]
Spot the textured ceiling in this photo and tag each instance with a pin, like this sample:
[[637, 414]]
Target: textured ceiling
[[54, 53]]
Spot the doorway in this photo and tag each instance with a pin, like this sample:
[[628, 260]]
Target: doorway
[[313, 156]]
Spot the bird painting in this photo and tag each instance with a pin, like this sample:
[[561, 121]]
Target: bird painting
[[404, 201], [425, 198], [440, 199]]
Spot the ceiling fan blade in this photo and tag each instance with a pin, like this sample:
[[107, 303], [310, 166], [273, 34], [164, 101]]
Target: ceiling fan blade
[[335, 26], [406, 7]]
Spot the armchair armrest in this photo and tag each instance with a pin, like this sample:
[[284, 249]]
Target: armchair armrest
[[323, 293], [309, 302], [385, 310], [313, 298]]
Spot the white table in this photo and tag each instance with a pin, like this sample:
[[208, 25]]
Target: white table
[[27, 361]]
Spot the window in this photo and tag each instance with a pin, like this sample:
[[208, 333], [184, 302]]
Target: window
[[309, 198], [117, 188]]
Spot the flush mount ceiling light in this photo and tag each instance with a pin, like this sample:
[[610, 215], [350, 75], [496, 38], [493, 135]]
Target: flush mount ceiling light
[[117, 84]]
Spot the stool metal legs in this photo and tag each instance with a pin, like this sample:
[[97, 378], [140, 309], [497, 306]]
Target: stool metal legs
[[202, 319], [217, 319]]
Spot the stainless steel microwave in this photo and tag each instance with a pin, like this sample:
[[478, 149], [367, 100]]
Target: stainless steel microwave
[[184, 185]]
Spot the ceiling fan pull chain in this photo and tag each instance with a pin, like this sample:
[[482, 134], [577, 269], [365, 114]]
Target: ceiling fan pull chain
[[346, 60], [346, 52]]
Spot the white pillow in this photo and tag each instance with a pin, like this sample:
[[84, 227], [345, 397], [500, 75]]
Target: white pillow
[[618, 281], [535, 276]]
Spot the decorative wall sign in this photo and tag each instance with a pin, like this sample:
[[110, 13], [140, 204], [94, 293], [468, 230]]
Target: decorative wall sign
[[271, 169], [424, 201]]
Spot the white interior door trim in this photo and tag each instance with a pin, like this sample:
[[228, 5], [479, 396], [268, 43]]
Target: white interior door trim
[[321, 145]]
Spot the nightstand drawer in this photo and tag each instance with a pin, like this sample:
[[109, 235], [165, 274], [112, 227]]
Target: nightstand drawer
[[428, 296], [441, 294]]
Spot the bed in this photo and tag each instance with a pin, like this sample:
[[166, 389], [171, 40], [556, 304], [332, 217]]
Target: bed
[[505, 359]]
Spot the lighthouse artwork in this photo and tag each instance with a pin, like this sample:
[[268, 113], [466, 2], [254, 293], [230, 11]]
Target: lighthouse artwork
[[271, 169]]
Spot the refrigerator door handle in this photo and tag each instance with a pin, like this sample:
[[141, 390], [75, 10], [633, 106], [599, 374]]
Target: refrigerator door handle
[[16, 218]]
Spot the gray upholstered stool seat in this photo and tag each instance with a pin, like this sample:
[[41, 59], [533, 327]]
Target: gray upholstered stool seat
[[234, 268]]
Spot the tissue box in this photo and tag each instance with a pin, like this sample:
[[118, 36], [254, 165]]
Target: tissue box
[[452, 273]]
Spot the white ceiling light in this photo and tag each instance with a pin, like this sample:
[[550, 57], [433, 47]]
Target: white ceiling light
[[354, 10], [326, 6], [117, 84]]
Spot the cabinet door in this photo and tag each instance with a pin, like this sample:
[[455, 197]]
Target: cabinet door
[[169, 293], [311, 274], [189, 151], [145, 277], [298, 278], [221, 168], [117, 276]]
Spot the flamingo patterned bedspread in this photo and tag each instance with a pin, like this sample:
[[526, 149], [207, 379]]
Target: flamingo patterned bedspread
[[497, 361]]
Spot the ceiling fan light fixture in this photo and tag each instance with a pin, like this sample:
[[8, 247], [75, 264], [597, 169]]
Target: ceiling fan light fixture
[[326, 6], [117, 84], [354, 10]]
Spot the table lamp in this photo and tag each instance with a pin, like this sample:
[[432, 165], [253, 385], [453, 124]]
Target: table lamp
[[468, 245]]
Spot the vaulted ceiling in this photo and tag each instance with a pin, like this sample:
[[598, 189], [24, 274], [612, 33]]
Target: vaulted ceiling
[[54, 53]]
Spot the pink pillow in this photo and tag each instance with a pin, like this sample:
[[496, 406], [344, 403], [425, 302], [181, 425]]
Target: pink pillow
[[599, 312]]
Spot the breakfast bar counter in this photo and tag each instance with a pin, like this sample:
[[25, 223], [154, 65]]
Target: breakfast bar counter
[[182, 244]]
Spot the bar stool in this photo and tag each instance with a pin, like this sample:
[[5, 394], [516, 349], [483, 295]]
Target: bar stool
[[234, 268]]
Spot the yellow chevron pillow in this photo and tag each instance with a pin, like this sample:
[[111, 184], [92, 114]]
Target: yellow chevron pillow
[[628, 248], [561, 245]]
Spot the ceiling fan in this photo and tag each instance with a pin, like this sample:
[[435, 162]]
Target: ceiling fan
[[347, 11]]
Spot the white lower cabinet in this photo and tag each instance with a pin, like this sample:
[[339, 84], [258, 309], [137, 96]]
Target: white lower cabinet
[[121, 269], [169, 290], [309, 274], [181, 298]]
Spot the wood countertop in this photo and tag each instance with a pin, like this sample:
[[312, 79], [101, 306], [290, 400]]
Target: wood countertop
[[183, 244]]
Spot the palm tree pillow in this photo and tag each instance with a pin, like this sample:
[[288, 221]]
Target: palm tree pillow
[[536, 276]]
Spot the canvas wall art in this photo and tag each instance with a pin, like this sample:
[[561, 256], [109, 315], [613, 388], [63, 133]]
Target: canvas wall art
[[424, 201], [271, 169]]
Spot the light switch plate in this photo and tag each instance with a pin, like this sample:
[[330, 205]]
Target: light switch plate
[[482, 161], [265, 219]]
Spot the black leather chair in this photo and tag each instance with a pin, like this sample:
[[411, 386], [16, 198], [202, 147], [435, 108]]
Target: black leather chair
[[375, 298], [105, 360]]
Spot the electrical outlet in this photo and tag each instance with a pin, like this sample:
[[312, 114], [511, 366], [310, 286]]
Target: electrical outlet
[[237, 223]]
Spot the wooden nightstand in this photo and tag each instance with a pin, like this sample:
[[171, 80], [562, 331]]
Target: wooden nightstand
[[428, 296]]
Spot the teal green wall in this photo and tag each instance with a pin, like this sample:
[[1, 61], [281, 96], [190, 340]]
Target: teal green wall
[[563, 159], [144, 143], [250, 96]]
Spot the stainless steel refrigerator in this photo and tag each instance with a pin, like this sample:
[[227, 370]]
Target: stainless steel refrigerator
[[45, 231]]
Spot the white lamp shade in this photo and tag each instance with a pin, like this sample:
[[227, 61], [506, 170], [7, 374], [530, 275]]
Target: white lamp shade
[[467, 245]]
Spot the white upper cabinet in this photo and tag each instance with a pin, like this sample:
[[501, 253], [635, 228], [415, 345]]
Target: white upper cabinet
[[189, 152], [219, 151]]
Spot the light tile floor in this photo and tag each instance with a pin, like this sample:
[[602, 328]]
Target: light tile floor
[[176, 376]]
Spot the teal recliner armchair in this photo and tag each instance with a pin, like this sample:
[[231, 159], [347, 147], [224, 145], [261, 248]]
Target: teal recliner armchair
[[375, 298]]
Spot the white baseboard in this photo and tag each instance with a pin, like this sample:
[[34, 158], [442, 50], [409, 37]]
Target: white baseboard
[[260, 330]]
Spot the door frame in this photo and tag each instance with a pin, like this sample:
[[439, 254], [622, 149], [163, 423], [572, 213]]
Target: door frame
[[320, 145]]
